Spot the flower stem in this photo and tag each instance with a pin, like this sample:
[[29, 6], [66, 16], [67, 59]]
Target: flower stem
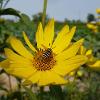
[[44, 12], [56, 92], [42, 93]]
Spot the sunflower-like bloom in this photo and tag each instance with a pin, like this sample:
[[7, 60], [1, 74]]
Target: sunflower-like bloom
[[50, 61], [93, 27], [92, 62], [98, 10]]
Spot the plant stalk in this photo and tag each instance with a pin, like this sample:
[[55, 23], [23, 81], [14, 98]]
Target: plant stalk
[[44, 12]]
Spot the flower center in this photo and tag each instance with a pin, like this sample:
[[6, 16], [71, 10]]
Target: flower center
[[44, 60]]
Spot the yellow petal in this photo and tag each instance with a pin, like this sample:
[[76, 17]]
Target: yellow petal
[[65, 41], [98, 10], [39, 36], [15, 57], [28, 42], [49, 77], [9, 38], [82, 50], [72, 73], [34, 78], [49, 33], [71, 51], [19, 48], [21, 71], [89, 52], [95, 65], [90, 26], [90, 56], [60, 35], [18, 65], [4, 64], [67, 66], [77, 60], [26, 82]]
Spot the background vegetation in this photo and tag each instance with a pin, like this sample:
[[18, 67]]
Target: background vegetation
[[84, 87]]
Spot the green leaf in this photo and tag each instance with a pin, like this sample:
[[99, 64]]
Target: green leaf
[[56, 92], [25, 18], [30, 94], [16, 95], [2, 46], [1, 58], [10, 11]]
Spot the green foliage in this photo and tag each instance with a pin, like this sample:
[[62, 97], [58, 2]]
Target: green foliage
[[3, 3], [90, 17], [1, 58], [30, 94], [26, 19], [84, 88], [7, 11], [10, 11], [56, 92]]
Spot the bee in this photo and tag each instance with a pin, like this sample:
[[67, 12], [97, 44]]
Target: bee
[[47, 53], [44, 55]]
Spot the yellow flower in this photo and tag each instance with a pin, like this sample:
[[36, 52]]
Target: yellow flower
[[50, 61], [93, 27], [92, 62], [98, 11], [98, 22]]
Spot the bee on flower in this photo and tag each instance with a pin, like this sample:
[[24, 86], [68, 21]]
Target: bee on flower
[[49, 62]]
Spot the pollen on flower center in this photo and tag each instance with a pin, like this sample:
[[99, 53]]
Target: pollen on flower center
[[44, 60]]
